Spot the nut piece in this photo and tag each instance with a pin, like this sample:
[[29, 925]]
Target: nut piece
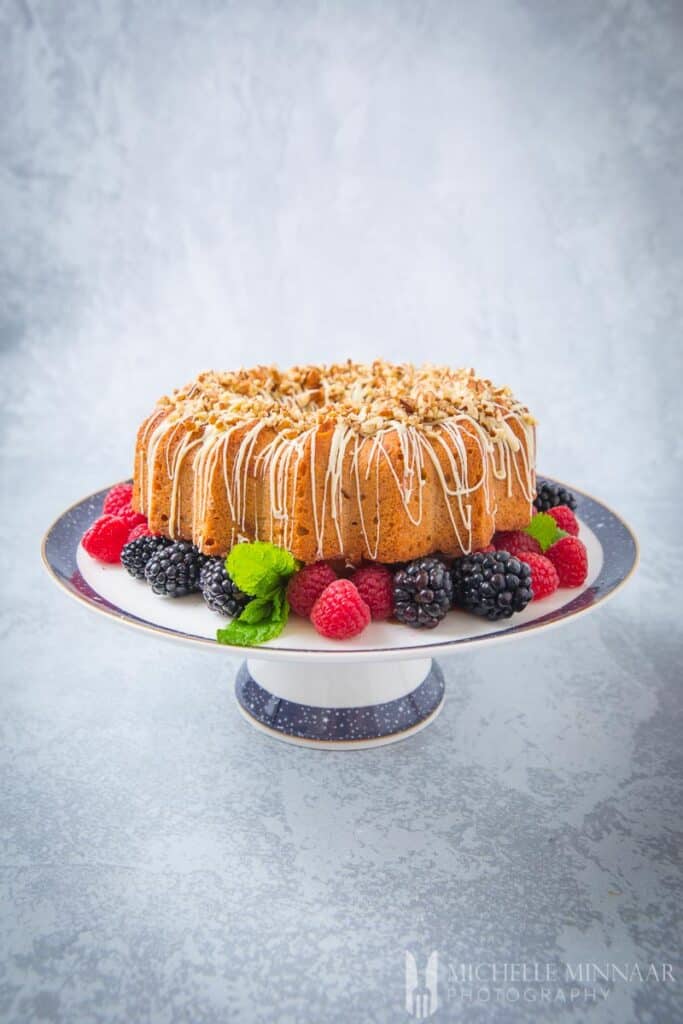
[[368, 397]]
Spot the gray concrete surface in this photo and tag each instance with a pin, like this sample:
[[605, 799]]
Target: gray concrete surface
[[191, 185]]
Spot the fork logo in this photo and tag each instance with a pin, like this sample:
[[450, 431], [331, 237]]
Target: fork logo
[[422, 1000]]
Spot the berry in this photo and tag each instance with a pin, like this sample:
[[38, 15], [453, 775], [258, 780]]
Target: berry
[[551, 495], [423, 592], [493, 586], [570, 558], [105, 538], [219, 590], [117, 498], [139, 551], [375, 584], [306, 586], [174, 570], [141, 530], [565, 519], [118, 503], [517, 542], [340, 612], [130, 517], [485, 550], [544, 578]]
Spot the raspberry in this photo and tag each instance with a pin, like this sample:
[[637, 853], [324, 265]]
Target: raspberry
[[306, 586], [544, 578], [375, 584], [105, 538], [340, 612], [565, 519], [141, 530], [131, 517], [117, 498], [117, 503], [517, 542], [570, 558]]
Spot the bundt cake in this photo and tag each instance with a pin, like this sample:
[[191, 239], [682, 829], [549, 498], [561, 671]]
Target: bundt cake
[[350, 461]]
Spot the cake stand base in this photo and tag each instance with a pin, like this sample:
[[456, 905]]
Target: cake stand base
[[340, 706]]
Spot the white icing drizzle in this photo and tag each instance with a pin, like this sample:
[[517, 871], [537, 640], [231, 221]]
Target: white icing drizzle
[[274, 457]]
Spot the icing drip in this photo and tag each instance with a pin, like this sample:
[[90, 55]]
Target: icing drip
[[259, 463]]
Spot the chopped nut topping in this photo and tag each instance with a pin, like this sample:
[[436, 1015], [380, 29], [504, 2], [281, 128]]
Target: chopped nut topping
[[369, 398]]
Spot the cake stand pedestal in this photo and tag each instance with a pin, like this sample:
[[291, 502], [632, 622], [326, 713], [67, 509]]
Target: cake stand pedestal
[[340, 706]]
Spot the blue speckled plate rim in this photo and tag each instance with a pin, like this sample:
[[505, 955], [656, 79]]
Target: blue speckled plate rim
[[620, 560]]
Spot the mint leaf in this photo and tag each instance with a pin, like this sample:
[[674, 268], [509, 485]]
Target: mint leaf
[[242, 633], [545, 530], [260, 568], [258, 609], [249, 634], [262, 571], [279, 601]]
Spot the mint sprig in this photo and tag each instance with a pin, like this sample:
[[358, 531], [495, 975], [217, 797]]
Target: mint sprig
[[545, 530], [261, 570], [244, 633]]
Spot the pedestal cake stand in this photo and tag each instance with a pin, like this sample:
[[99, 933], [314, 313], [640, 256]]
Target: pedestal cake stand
[[380, 687]]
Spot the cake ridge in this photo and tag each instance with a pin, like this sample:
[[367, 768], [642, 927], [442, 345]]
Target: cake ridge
[[364, 454]]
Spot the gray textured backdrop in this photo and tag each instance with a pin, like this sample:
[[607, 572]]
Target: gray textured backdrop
[[190, 185]]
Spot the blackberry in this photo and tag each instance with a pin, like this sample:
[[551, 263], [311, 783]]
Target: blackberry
[[422, 592], [174, 570], [551, 495], [138, 552], [492, 585], [218, 589]]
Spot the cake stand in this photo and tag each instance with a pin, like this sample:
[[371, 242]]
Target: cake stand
[[380, 687]]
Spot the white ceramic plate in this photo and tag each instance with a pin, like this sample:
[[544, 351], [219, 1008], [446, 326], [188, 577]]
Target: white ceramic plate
[[612, 557]]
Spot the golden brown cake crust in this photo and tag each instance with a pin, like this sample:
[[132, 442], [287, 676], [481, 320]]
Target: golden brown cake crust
[[357, 461]]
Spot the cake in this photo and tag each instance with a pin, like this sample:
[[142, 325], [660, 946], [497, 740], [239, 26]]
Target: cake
[[352, 461]]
